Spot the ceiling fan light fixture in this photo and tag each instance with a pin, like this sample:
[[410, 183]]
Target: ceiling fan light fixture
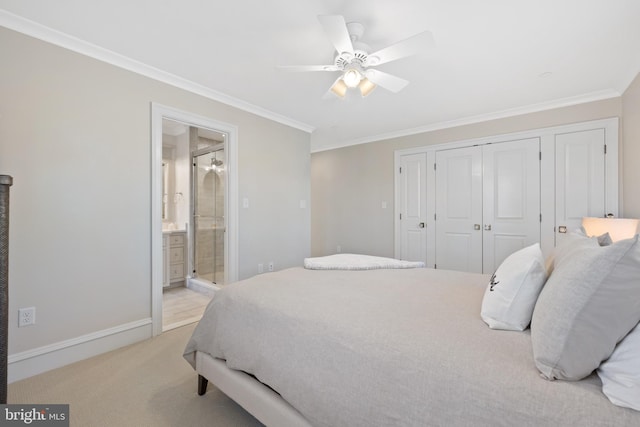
[[366, 86], [351, 77], [339, 88]]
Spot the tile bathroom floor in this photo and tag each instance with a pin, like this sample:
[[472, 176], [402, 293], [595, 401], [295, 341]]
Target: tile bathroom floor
[[181, 306]]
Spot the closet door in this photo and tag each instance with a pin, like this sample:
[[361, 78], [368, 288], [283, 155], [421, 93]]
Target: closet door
[[580, 178], [487, 204], [576, 177], [511, 199], [459, 209], [413, 207]]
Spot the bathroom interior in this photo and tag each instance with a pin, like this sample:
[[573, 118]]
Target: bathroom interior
[[193, 220]]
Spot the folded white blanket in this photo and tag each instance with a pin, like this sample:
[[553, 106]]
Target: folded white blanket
[[357, 262]]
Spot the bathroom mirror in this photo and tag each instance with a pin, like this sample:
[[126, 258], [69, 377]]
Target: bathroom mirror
[[165, 189], [168, 184]]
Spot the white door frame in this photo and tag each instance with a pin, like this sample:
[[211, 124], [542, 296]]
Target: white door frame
[[159, 112]]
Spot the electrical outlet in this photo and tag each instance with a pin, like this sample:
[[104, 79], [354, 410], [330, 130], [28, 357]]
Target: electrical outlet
[[271, 266], [260, 268], [26, 316]]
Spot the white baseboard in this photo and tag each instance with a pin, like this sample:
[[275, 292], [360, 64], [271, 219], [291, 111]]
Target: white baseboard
[[38, 360]]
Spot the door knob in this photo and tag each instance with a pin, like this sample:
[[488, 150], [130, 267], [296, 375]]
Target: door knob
[[487, 227], [421, 225], [562, 229], [476, 226]]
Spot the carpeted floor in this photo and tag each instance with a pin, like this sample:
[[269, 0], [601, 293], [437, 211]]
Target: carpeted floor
[[145, 384]]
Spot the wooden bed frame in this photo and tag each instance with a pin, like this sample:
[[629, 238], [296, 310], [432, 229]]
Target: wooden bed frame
[[259, 400]]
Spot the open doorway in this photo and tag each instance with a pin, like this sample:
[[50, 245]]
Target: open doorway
[[194, 219]]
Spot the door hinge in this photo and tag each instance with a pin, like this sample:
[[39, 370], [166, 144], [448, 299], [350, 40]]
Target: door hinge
[[400, 169], [401, 217], [605, 148], [540, 155], [540, 217], [434, 217], [434, 166], [435, 266]]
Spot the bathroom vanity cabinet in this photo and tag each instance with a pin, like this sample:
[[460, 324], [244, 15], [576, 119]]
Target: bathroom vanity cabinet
[[174, 252]]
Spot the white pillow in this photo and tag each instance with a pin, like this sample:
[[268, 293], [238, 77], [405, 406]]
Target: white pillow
[[512, 293], [620, 374]]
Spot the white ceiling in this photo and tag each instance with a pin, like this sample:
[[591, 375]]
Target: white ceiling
[[493, 58]]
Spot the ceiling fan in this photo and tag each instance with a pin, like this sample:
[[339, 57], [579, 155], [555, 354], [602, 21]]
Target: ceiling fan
[[354, 61]]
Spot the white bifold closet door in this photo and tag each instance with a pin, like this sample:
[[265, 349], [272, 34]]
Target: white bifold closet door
[[511, 199], [459, 209], [487, 204]]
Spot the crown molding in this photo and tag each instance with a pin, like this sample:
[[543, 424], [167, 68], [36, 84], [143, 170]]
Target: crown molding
[[58, 38], [533, 108]]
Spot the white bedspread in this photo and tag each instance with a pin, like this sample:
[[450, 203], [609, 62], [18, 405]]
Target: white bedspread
[[357, 262], [390, 348]]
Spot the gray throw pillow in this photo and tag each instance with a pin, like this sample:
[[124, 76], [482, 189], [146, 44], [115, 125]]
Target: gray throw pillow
[[589, 303], [573, 241]]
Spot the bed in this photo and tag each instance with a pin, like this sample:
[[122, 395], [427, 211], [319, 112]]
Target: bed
[[381, 347]]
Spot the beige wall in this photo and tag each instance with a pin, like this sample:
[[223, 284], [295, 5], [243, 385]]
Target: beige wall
[[349, 185], [631, 149], [75, 135]]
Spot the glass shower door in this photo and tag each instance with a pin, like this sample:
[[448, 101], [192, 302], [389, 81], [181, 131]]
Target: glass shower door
[[208, 215]]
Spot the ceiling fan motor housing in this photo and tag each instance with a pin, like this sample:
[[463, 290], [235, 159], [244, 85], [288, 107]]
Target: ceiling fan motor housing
[[360, 57], [359, 60]]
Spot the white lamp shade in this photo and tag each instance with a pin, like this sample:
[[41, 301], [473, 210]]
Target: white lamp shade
[[366, 86], [618, 228], [339, 88]]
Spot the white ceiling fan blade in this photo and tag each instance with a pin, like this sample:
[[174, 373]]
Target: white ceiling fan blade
[[296, 68], [336, 29], [407, 47], [387, 81]]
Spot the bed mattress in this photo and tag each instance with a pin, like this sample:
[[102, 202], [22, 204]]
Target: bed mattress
[[390, 348]]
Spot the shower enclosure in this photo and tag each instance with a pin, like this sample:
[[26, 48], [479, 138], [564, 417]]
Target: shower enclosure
[[209, 174]]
